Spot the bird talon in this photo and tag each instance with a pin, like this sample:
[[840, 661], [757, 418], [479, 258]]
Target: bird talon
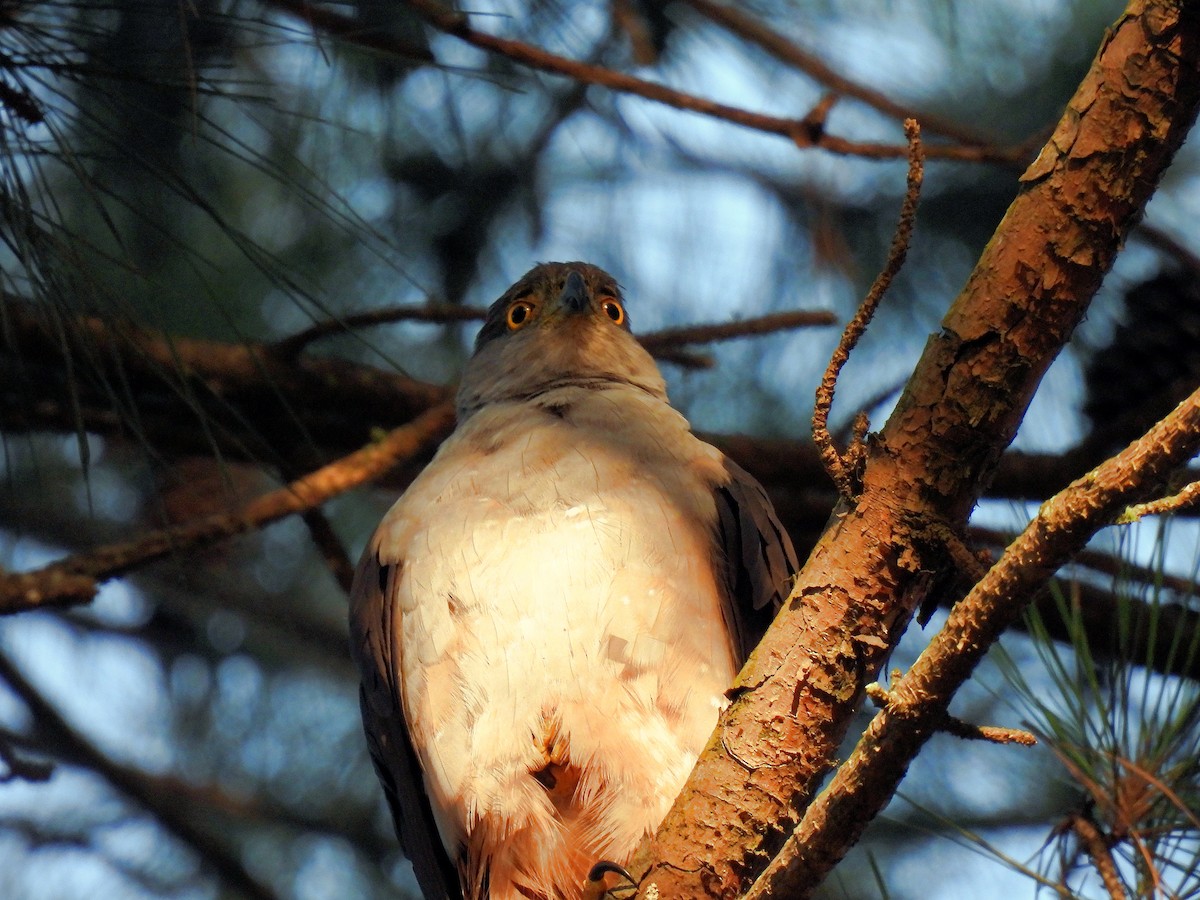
[[596, 887]]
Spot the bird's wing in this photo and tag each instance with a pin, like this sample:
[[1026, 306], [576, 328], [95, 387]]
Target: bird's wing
[[758, 554], [373, 645]]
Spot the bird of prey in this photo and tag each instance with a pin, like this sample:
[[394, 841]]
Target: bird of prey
[[547, 620]]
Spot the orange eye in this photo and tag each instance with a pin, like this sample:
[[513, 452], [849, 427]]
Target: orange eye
[[519, 315], [614, 310]]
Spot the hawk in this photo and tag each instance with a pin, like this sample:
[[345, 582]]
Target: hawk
[[547, 620]]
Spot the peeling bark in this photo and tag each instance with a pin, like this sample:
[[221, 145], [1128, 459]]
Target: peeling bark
[[793, 701]]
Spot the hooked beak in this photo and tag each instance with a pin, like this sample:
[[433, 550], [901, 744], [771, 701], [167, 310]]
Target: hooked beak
[[574, 296]]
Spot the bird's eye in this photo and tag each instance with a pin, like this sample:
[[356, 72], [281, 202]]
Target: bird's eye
[[614, 310], [519, 315]]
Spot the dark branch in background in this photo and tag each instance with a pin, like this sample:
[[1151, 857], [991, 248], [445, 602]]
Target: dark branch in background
[[660, 341], [354, 31], [757, 32], [835, 463], [18, 767], [804, 132], [441, 313], [330, 546], [657, 342], [61, 582], [68, 369], [173, 815]]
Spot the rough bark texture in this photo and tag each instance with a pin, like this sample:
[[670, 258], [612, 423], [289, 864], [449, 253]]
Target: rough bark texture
[[920, 699], [872, 568]]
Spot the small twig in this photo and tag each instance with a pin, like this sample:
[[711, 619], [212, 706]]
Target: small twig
[[1099, 852], [835, 464], [75, 579], [1178, 502], [796, 130], [658, 342], [856, 452], [995, 734], [741, 23]]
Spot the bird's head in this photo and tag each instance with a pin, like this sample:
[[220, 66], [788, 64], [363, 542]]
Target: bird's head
[[562, 324]]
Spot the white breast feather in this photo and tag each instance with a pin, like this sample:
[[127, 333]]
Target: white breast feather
[[548, 598]]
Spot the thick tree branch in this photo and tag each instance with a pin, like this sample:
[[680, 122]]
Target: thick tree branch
[[794, 700], [921, 698], [254, 402]]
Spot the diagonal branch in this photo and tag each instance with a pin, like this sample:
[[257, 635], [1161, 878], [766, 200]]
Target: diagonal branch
[[803, 132], [746, 26], [75, 579], [921, 699], [795, 698]]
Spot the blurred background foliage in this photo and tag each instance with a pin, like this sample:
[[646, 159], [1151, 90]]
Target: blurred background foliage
[[234, 171]]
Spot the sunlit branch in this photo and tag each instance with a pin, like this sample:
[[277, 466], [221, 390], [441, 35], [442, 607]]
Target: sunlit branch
[[30, 590], [1183, 500], [919, 700], [835, 463], [995, 734]]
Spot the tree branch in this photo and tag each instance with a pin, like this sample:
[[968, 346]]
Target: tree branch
[[75, 579], [751, 29], [794, 700], [835, 463], [172, 815], [921, 698], [803, 132]]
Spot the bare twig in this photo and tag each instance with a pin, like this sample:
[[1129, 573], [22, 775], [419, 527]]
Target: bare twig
[[66, 582], [1178, 502], [657, 342], [797, 130], [835, 464], [751, 29], [995, 734]]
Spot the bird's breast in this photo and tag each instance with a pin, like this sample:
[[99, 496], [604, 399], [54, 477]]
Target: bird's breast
[[560, 578]]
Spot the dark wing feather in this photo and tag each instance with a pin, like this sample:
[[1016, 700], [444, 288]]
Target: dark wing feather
[[373, 648], [759, 558]]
